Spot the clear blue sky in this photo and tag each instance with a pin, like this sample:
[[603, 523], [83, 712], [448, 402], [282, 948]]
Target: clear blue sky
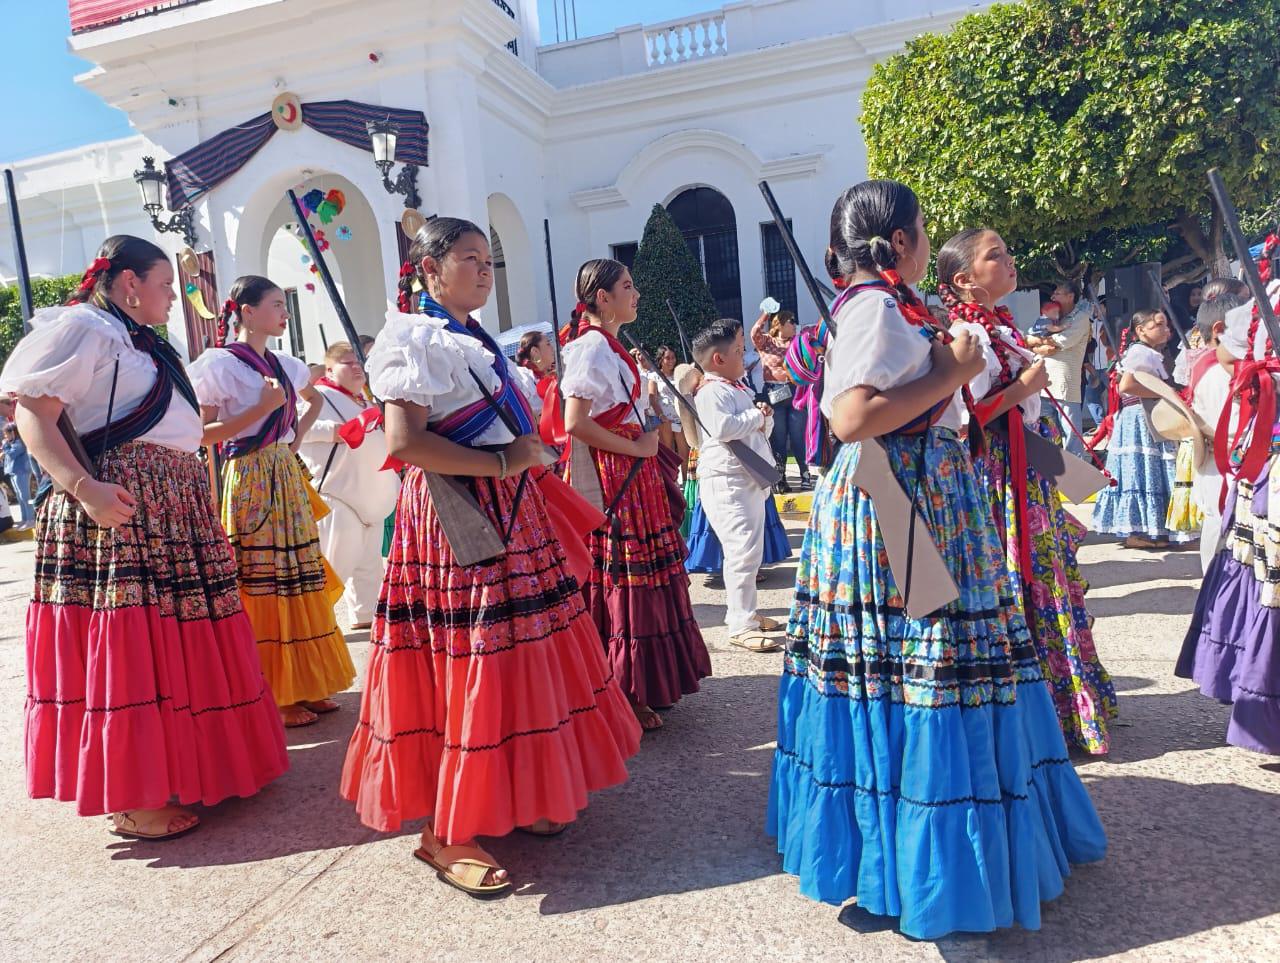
[[42, 110]]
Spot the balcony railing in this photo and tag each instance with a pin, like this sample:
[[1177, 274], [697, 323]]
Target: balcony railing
[[680, 41], [514, 45]]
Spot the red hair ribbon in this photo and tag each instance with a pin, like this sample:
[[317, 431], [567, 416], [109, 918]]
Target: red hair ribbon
[[91, 273], [229, 306], [580, 308], [406, 269]]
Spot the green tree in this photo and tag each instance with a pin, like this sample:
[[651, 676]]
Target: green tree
[[1082, 129], [664, 269], [45, 292]]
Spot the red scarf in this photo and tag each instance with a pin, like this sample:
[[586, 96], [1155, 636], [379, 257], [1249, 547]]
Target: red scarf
[[551, 426], [354, 431], [994, 323]]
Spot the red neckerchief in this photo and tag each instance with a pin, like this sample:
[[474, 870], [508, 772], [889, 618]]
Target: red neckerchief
[[711, 375], [353, 432], [330, 383], [551, 426], [994, 323]]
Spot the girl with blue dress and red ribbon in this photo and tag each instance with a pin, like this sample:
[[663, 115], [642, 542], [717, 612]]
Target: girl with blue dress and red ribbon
[[144, 693], [919, 765], [489, 704], [249, 401]]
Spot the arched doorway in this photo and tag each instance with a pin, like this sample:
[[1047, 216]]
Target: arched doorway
[[354, 256], [501, 290], [706, 219]]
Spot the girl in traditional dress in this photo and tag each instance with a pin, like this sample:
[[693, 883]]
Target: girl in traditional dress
[[772, 335], [1040, 538], [145, 695], [638, 592], [249, 402], [535, 369], [920, 767], [1136, 507], [1232, 649], [488, 705]]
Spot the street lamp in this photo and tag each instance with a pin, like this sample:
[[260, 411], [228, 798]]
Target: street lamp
[[383, 136], [151, 181]]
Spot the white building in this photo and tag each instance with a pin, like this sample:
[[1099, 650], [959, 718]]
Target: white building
[[588, 134]]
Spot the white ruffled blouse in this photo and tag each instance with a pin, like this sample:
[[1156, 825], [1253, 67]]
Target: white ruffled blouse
[[71, 355], [593, 371], [417, 359], [1140, 357], [225, 382], [982, 383], [878, 348]]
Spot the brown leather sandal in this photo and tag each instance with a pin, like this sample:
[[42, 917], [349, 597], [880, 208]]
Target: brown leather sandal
[[753, 641], [472, 864], [125, 825]]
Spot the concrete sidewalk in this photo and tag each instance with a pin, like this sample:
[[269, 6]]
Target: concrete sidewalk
[[674, 865]]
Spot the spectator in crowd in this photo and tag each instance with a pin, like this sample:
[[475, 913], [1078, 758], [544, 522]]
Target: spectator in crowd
[[1097, 364], [17, 468], [1065, 363]]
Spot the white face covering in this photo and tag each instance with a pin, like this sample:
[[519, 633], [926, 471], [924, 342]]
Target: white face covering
[[1235, 339]]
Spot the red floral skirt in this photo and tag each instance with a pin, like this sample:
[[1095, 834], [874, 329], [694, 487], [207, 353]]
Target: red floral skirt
[[143, 680], [488, 703], [638, 592]]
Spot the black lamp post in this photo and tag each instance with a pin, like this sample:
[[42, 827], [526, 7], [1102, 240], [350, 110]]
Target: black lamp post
[[151, 182], [383, 136]]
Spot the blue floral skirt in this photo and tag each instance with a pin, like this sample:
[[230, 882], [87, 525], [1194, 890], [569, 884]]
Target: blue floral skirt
[[706, 555], [1143, 467], [920, 766]]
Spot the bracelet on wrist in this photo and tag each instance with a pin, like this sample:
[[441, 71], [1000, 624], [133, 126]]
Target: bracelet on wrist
[[75, 489], [502, 464]]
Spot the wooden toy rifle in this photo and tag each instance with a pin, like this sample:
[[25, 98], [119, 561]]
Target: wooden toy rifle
[[471, 534]]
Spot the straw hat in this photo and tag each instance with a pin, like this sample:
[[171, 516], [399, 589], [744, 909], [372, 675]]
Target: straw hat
[[1171, 419], [686, 378]]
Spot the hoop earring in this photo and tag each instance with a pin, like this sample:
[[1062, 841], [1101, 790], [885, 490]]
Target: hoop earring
[[914, 262], [133, 301]]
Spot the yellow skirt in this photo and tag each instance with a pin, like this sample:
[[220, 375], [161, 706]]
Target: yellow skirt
[[1183, 515], [287, 587]]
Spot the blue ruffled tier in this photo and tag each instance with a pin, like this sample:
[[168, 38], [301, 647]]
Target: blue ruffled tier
[[705, 554], [1144, 468], [920, 766]]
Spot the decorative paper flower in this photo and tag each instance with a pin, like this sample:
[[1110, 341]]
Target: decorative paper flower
[[344, 233], [313, 199]]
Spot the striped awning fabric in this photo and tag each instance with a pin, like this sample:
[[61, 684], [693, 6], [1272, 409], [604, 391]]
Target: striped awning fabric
[[88, 14], [208, 164]]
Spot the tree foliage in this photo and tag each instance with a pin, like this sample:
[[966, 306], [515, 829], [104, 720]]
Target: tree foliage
[[45, 293], [664, 269], [1082, 129]]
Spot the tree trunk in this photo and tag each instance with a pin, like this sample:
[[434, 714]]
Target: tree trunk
[[1220, 266]]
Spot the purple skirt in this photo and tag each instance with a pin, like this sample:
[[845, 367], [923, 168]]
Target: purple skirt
[[1231, 652]]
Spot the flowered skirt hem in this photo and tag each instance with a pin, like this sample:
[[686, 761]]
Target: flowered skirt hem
[[638, 592], [143, 686], [287, 587], [488, 703]]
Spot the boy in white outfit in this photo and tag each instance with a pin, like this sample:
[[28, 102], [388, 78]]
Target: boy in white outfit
[[345, 450], [732, 499]]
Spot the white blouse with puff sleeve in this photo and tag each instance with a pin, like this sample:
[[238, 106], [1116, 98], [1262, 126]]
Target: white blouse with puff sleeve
[[878, 348], [225, 382], [71, 355], [986, 379], [417, 359], [592, 370]]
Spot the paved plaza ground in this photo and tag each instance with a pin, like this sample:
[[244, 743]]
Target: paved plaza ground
[[673, 865]]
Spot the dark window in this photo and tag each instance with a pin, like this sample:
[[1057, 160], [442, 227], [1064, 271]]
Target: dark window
[[706, 219], [625, 253], [779, 270]]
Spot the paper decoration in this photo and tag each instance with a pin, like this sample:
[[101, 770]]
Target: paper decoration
[[306, 259], [344, 233], [196, 298], [310, 287]]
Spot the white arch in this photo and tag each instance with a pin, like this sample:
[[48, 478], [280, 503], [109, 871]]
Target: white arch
[[517, 249]]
